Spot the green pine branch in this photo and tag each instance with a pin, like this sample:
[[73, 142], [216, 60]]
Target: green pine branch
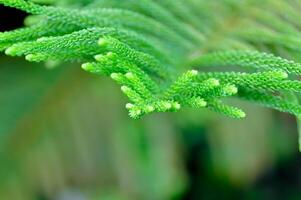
[[160, 51]]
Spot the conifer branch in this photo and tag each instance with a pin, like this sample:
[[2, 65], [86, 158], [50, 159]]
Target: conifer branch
[[159, 52]]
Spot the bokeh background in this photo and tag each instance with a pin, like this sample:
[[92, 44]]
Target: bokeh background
[[65, 135]]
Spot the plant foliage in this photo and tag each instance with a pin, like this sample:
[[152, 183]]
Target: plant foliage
[[172, 54]]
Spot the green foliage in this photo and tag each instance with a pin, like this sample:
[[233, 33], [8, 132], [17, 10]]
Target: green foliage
[[165, 55], [145, 46]]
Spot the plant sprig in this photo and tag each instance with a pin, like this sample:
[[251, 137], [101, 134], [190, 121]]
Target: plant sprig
[[157, 50]]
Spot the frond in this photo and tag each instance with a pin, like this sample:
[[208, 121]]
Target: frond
[[160, 52]]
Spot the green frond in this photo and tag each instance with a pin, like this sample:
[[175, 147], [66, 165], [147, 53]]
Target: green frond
[[224, 109], [271, 101], [167, 54], [257, 60]]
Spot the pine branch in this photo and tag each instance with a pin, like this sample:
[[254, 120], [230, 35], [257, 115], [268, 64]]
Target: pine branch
[[149, 48]]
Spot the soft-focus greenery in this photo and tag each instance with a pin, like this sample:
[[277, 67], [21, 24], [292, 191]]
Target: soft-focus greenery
[[53, 136], [65, 132]]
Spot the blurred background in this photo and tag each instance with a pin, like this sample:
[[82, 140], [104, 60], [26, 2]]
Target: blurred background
[[65, 135]]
